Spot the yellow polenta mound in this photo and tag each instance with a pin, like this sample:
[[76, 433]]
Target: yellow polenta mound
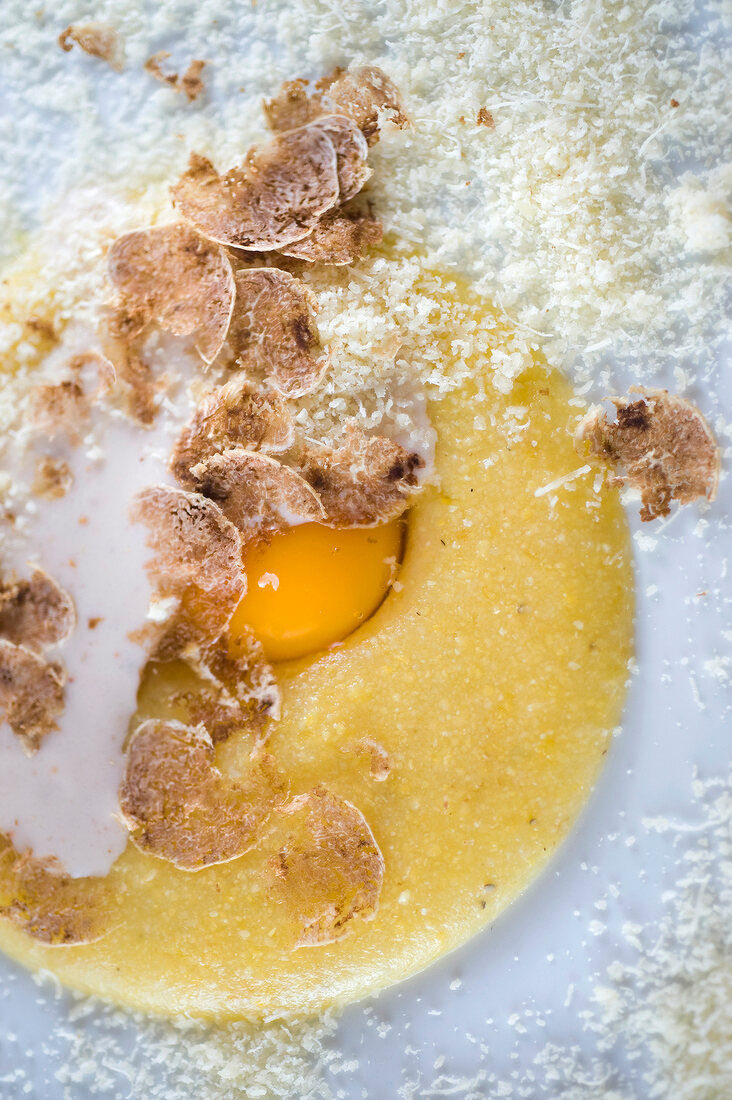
[[492, 677]]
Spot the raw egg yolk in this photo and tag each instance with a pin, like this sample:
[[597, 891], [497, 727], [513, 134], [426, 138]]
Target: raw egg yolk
[[310, 586]]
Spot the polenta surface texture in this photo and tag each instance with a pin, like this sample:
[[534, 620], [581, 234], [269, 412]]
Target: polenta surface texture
[[492, 675]]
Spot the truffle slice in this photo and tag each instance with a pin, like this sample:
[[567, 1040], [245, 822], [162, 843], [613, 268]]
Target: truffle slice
[[65, 406], [257, 493], [179, 807], [341, 237], [174, 277], [46, 903], [220, 717], [360, 95], [36, 613], [275, 197], [351, 153], [123, 336], [273, 330], [31, 694], [330, 870], [367, 481], [235, 414], [293, 106], [662, 442], [196, 566], [246, 689]]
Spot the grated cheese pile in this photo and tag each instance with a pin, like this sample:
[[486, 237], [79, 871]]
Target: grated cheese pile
[[383, 323], [104, 1057], [673, 1006], [668, 1011]]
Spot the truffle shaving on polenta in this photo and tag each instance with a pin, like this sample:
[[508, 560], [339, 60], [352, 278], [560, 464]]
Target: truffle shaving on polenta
[[179, 807], [49, 905]]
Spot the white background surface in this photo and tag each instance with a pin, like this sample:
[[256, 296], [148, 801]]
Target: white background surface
[[536, 967]]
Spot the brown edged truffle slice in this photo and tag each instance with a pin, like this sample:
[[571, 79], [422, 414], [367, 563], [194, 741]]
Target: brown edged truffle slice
[[196, 566], [172, 276], [662, 443], [31, 693], [48, 904], [293, 106], [233, 415], [179, 807], [329, 871], [123, 336], [275, 197], [220, 716], [257, 493], [245, 689], [273, 330], [367, 481], [341, 237], [36, 613], [360, 95], [351, 153]]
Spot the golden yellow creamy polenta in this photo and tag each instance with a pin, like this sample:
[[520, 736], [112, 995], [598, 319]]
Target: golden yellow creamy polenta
[[493, 677]]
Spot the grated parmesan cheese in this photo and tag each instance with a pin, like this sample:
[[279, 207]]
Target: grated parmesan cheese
[[594, 214]]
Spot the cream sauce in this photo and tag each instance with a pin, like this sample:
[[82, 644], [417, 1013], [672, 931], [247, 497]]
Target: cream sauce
[[62, 801]]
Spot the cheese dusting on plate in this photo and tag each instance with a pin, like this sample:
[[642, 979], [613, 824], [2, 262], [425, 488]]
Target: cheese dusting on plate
[[602, 166]]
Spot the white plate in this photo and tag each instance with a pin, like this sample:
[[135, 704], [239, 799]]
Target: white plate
[[492, 1007]]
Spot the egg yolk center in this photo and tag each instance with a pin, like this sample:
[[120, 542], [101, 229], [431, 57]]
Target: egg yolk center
[[310, 586]]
